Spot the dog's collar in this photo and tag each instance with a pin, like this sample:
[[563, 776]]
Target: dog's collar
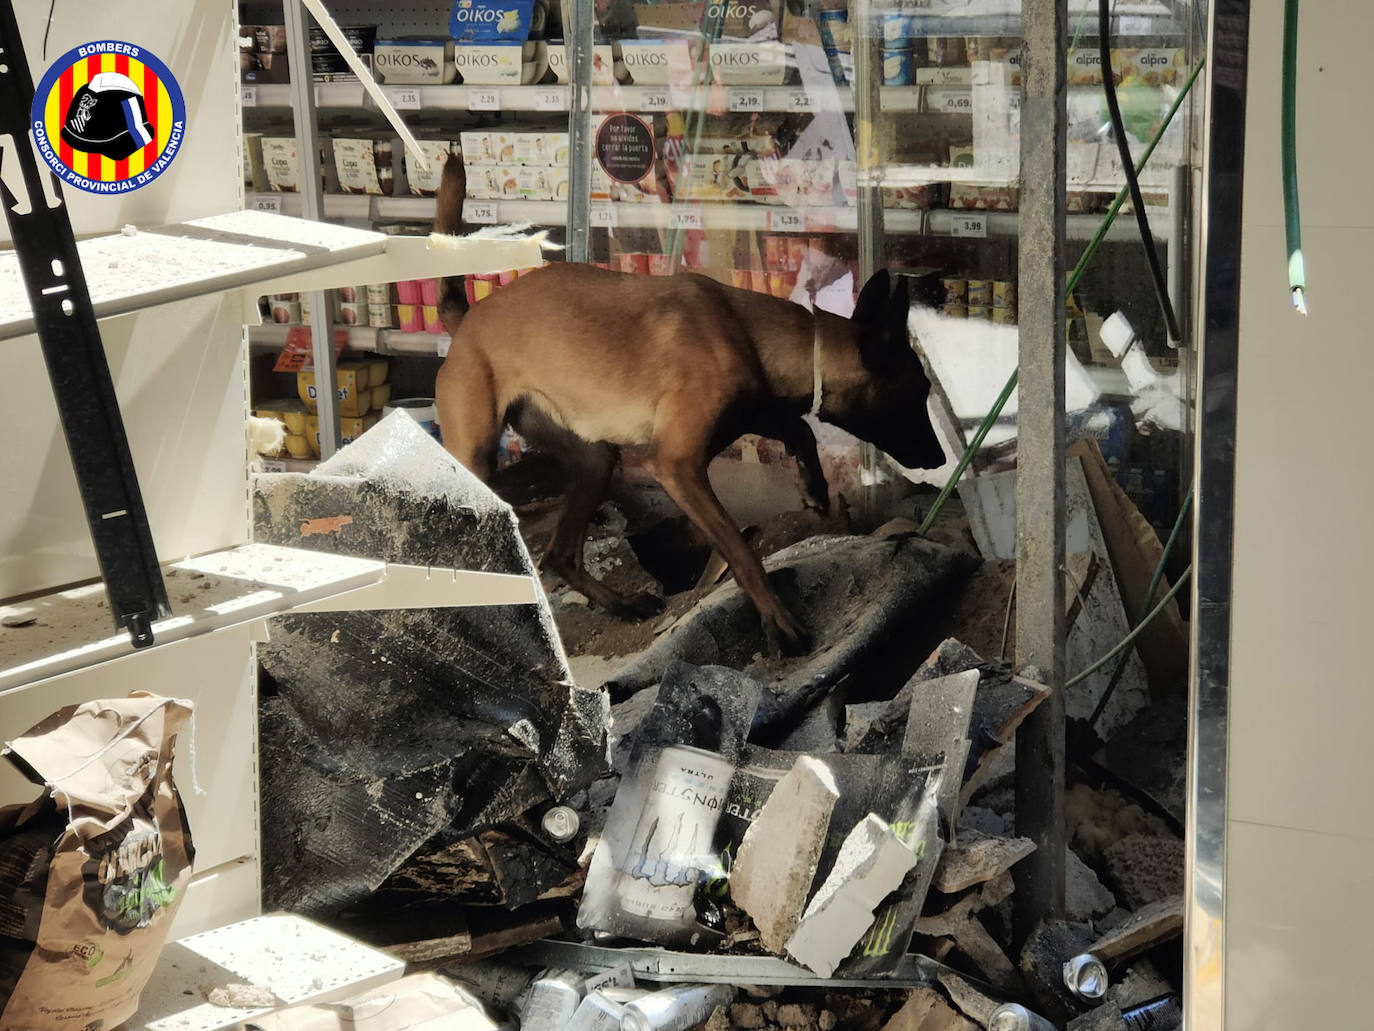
[[817, 386]]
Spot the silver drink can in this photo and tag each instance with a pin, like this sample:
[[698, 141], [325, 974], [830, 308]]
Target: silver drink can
[[676, 1009], [672, 841], [552, 1001], [1086, 977], [597, 1013], [1013, 1017]]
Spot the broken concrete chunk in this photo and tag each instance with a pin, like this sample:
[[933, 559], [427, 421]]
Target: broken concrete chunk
[[977, 859], [926, 1010], [970, 937], [1141, 983], [777, 860], [1151, 926], [1049, 947], [871, 864], [1102, 1018], [1085, 898], [972, 1002], [243, 997], [1143, 868], [984, 821]]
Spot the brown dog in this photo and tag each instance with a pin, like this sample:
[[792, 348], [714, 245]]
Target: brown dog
[[581, 362]]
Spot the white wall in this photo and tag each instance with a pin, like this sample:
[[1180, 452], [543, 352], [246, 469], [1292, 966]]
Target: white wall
[[1300, 869]]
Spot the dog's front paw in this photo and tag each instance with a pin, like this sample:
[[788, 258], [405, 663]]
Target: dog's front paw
[[640, 605], [785, 635]]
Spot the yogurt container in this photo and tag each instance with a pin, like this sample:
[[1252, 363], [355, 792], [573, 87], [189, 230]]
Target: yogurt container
[[899, 67]]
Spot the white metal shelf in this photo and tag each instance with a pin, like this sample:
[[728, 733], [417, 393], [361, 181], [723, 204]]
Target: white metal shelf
[[553, 98], [299, 962], [129, 271], [72, 629]]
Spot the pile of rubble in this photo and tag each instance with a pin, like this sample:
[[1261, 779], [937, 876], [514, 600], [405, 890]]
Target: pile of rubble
[[816, 842]]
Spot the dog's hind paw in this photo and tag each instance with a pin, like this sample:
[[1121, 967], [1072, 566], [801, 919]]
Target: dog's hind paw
[[786, 637], [640, 605]]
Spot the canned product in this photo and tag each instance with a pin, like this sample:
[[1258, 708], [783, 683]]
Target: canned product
[[1086, 976], [1004, 316], [353, 313], [379, 316], [898, 67], [561, 823], [286, 311], [956, 311], [378, 293], [956, 290], [673, 835], [1013, 1017], [896, 31], [980, 291], [980, 311], [1003, 294]]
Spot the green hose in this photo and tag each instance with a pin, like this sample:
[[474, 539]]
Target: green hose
[[1144, 605], [1297, 275], [1126, 641], [977, 442]]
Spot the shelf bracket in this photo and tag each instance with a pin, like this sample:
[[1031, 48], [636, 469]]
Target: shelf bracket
[[75, 356]]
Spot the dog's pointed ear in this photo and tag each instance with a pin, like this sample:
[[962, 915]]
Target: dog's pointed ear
[[873, 298], [900, 304]]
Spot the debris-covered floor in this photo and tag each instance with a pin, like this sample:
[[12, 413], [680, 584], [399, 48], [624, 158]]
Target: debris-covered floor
[[825, 840]]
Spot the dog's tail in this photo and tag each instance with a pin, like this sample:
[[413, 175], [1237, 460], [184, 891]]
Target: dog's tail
[[448, 219]]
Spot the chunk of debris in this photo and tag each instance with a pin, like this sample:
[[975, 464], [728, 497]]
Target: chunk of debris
[[960, 923], [1144, 868], [978, 858], [392, 727], [1141, 983], [1151, 926], [872, 863], [1101, 1018], [1085, 897], [926, 1010], [242, 997], [1049, 946], [970, 1000], [777, 860], [938, 724]]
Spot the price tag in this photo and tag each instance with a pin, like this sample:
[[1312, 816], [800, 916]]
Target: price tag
[[404, 98], [746, 100], [484, 100], [955, 102], [249, 96], [655, 100], [786, 221], [480, 212], [684, 218], [551, 98], [799, 100], [971, 223], [604, 216], [270, 202]]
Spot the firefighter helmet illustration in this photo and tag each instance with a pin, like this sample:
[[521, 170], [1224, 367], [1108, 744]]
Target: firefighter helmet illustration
[[108, 116]]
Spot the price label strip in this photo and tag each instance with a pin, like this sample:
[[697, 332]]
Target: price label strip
[[604, 216], [748, 100], [551, 98], [404, 98], [481, 212], [484, 100], [799, 100], [270, 202], [655, 100], [249, 96], [786, 221], [972, 224], [685, 218]]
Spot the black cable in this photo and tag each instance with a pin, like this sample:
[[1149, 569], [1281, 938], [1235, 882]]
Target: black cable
[[1104, 42], [51, 8]]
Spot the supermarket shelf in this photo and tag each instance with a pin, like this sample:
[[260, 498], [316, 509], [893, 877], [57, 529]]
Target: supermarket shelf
[[70, 630], [298, 961], [554, 98], [191, 259], [271, 337], [944, 222]]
